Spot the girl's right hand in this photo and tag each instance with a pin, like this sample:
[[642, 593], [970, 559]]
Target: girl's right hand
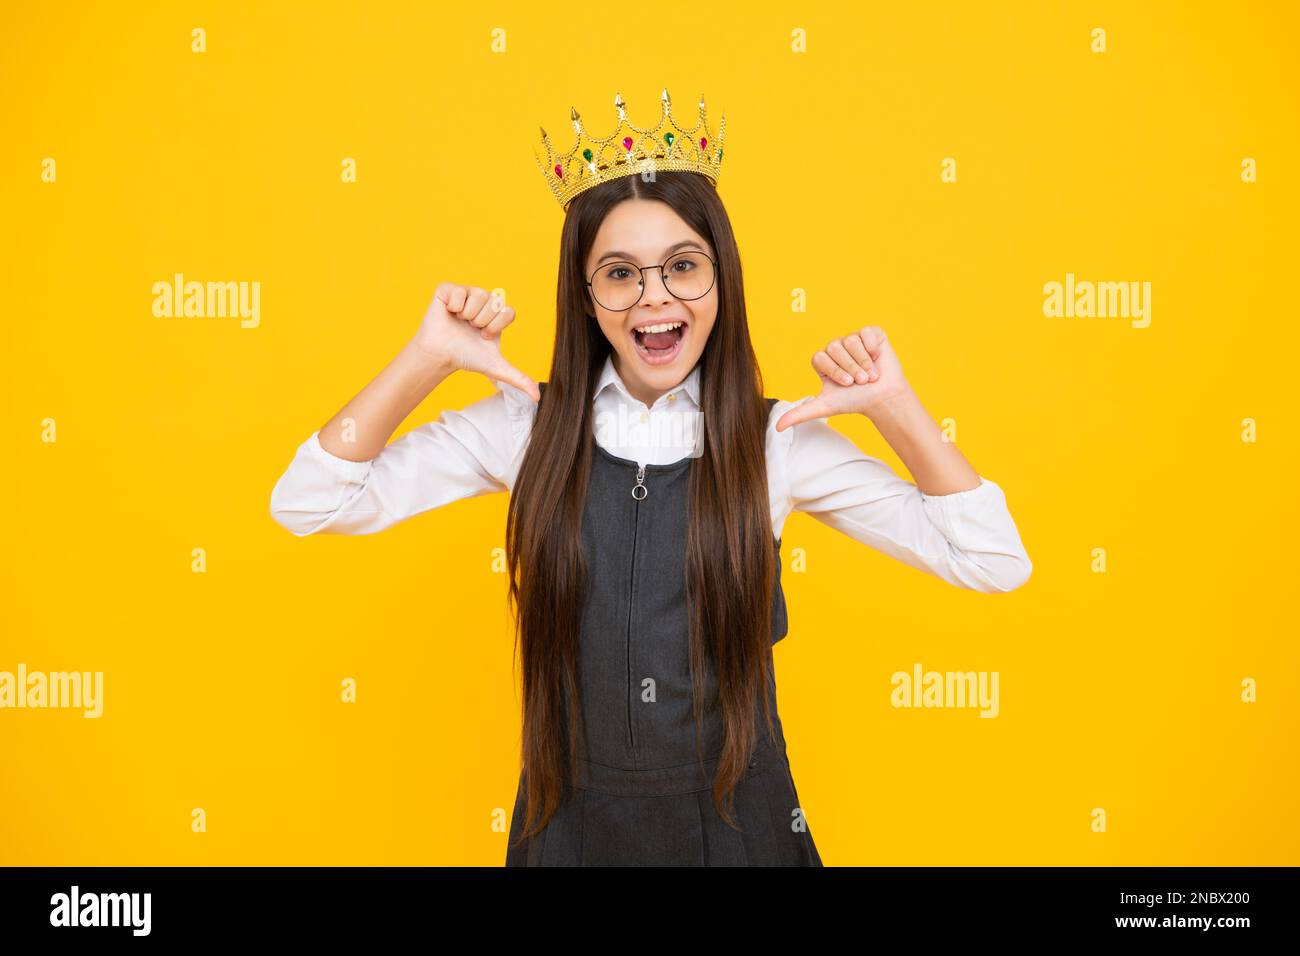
[[462, 329]]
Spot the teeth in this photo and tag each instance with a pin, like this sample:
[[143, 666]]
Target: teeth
[[663, 327]]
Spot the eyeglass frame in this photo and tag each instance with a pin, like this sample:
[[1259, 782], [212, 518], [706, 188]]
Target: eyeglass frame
[[641, 281]]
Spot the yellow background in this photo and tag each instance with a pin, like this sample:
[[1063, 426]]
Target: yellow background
[[1118, 690]]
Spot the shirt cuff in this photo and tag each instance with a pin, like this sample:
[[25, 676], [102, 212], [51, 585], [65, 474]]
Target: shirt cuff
[[353, 471], [948, 511]]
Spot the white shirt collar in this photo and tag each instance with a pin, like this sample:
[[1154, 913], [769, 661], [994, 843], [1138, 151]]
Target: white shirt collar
[[609, 376]]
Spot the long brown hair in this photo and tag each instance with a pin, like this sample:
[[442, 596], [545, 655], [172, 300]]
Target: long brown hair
[[729, 561]]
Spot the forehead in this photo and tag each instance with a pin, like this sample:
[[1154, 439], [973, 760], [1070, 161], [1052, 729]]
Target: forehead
[[643, 228]]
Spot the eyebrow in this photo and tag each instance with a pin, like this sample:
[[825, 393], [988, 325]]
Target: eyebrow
[[627, 257]]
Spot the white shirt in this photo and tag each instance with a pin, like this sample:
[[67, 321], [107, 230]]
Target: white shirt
[[967, 538]]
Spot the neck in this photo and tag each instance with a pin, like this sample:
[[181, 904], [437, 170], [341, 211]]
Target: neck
[[640, 390]]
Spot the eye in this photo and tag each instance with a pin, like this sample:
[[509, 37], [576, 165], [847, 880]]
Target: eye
[[619, 272], [687, 265]]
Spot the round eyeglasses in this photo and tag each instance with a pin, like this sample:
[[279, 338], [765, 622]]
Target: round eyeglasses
[[618, 286]]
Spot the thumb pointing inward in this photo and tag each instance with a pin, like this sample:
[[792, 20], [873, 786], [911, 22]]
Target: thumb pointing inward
[[806, 410], [505, 372]]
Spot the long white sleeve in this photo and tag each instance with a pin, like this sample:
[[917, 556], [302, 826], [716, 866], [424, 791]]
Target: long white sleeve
[[462, 454], [967, 538]]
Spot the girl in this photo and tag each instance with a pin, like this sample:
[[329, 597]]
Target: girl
[[649, 481]]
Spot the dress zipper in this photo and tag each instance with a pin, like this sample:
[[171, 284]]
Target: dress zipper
[[636, 512]]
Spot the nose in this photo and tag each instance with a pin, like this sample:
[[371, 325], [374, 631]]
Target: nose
[[656, 290]]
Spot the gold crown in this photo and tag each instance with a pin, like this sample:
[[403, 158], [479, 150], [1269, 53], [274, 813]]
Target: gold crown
[[629, 150]]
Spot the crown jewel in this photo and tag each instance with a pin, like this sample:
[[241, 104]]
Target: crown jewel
[[631, 149]]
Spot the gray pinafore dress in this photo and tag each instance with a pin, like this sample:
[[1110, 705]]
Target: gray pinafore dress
[[640, 797]]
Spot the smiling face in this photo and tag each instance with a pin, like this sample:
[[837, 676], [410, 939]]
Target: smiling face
[[648, 232]]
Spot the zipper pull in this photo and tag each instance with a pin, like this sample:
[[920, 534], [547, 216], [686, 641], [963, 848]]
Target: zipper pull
[[640, 484]]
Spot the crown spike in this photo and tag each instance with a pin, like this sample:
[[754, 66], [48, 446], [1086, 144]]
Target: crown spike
[[667, 102]]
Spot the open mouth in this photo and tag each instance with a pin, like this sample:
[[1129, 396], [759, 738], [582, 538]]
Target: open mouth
[[659, 343]]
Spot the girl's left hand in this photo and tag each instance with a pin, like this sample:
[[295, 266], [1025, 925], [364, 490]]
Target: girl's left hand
[[859, 373]]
